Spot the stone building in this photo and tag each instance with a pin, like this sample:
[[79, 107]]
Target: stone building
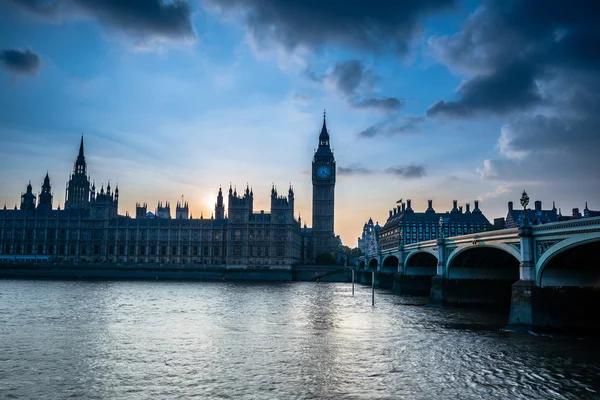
[[89, 229], [405, 226]]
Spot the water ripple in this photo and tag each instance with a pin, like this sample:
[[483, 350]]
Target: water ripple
[[139, 340]]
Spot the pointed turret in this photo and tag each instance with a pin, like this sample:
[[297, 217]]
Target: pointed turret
[[28, 199], [45, 199], [324, 136], [78, 187]]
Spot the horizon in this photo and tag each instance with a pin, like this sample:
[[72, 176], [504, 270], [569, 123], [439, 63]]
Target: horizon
[[427, 101]]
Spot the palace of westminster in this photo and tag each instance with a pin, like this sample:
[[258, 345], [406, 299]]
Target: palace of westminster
[[89, 228]]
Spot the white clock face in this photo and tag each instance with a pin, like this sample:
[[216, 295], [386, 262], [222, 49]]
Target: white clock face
[[323, 172]]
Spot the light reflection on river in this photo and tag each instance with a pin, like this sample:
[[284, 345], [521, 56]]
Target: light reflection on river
[[143, 340]]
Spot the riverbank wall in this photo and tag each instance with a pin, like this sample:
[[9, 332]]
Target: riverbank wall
[[173, 272]]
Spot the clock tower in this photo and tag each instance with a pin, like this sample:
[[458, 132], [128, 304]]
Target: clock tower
[[323, 180]]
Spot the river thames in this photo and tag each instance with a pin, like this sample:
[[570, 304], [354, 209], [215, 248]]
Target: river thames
[[140, 340]]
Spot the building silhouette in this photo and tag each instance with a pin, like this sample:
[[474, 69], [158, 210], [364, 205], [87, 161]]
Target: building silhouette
[[405, 226], [89, 229], [323, 196]]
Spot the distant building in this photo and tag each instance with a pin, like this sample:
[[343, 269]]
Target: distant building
[[368, 243], [514, 217], [405, 226]]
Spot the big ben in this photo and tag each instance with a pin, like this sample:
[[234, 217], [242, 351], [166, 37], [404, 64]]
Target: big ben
[[323, 180]]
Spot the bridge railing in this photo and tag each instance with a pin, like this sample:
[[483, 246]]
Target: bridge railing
[[567, 226]]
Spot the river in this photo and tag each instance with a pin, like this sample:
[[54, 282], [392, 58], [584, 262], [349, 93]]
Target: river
[[180, 340]]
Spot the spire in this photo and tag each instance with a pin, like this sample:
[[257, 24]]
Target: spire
[[324, 136], [81, 147]]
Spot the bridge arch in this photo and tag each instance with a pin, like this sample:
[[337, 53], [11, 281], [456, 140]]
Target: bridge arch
[[571, 262], [498, 262], [390, 264], [421, 262], [373, 263]]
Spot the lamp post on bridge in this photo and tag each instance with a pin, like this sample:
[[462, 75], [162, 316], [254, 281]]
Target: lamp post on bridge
[[524, 202], [524, 291]]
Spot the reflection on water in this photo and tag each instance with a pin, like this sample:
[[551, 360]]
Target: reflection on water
[[271, 341]]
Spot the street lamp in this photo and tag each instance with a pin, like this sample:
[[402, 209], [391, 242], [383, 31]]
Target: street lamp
[[524, 202], [441, 223]]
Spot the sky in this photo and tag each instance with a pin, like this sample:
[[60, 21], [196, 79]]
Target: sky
[[435, 99]]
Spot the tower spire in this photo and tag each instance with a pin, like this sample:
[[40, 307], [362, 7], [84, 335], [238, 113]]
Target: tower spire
[[81, 147], [324, 135]]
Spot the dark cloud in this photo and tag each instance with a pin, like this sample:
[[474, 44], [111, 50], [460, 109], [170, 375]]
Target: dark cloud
[[536, 63], [407, 171], [20, 61], [553, 148], [388, 104], [355, 169], [353, 81], [407, 124], [143, 19], [511, 87], [400, 171], [374, 26], [508, 47]]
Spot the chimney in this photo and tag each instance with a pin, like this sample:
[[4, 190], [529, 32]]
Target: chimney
[[398, 208], [430, 204], [476, 205], [408, 204], [538, 205], [468, 205], [460, 209], [454, 205], [510, 206], [390, 213], [403, 207]]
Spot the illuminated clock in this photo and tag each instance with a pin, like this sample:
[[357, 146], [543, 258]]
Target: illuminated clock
[[323, 172]]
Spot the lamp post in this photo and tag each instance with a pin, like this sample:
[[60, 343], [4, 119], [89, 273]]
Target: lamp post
[[524, 202], [441, 223]]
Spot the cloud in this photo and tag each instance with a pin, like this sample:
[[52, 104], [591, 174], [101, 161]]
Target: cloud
[[536, 65], [144, 20], [375, 26], [388, 104], [407, 171], [410, 171], [403, 125], [355, 169], [20, 61], [353, 81], [512, 87], [501, 189], [508, 49]]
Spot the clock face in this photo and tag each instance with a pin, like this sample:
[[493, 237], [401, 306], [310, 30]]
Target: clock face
[[323, 172]]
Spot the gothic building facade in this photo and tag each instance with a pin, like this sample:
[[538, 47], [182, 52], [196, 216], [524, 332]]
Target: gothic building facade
[[89, 228], [323, 196]]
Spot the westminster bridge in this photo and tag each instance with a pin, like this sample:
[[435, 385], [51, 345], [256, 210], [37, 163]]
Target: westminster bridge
[[549, 274]]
